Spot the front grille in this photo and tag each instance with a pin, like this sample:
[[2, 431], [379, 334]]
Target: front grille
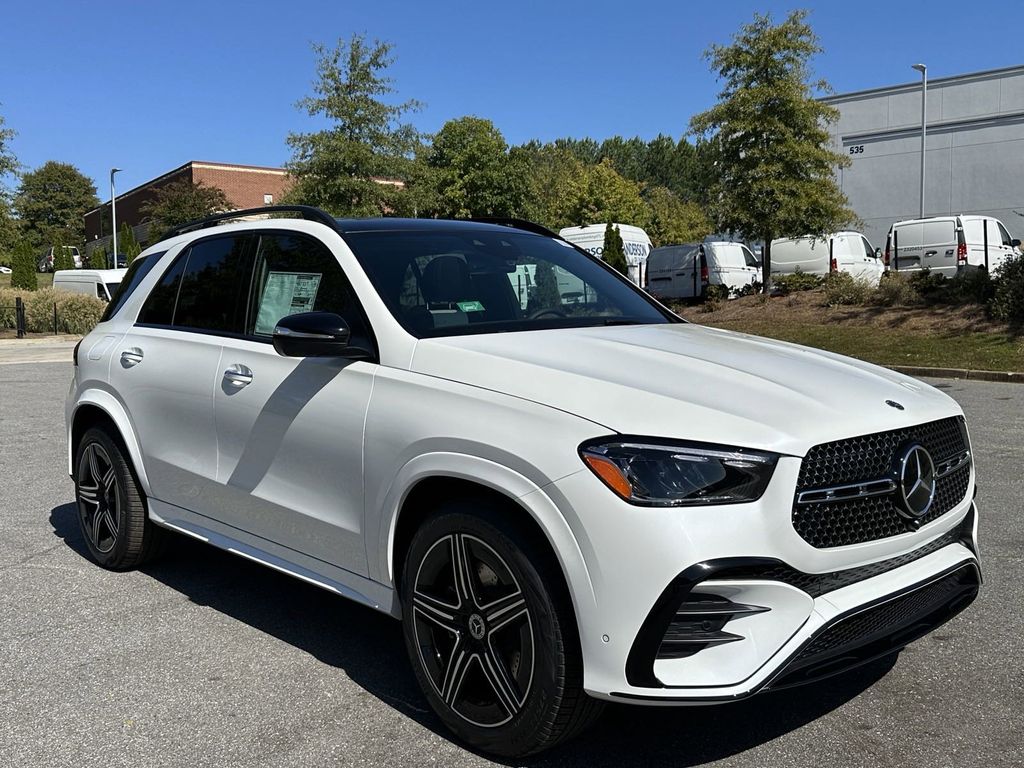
[[840, 522], [882, 629]]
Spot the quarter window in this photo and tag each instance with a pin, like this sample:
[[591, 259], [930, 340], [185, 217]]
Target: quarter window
[[159, 306]]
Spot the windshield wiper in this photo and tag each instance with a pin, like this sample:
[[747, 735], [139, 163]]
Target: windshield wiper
[[622, 321]]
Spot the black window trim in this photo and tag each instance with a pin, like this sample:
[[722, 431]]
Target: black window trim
[[254, 235]]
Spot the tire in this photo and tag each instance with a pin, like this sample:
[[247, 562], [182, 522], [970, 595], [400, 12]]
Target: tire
[[499, 661], [111, 506]]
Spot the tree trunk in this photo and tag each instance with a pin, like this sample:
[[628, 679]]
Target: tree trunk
[[766, 263]]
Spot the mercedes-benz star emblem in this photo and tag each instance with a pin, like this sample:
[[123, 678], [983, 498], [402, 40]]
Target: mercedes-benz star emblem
[[916, 480], [477, 628]]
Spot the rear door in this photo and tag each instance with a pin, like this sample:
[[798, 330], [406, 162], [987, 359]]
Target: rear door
[[290, 430], [939, 245], [164, 368]]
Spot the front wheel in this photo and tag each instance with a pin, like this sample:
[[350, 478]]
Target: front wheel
[[494, 649]]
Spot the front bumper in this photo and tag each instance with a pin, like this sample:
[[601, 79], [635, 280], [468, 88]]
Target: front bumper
[[788, 602]]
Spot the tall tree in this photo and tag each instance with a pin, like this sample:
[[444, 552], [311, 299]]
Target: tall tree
[[776, 166], [337, 168], [127, 244], [179, 203], [23, 274], [475, 174], [671, 220], [51, 202], [611, 198], [557, 183], [614, 252]]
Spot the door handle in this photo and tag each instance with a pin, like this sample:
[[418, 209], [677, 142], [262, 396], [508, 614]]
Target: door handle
[[238, 375], [131, 357], [930, 253]]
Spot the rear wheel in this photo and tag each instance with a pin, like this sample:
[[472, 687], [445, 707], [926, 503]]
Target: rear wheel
[[494, 649], [111, 506]]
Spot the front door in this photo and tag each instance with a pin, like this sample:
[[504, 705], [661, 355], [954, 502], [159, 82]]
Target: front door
[[290, 430]]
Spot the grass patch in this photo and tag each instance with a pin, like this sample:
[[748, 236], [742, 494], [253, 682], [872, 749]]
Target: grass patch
[[45, 280], [939, 337]]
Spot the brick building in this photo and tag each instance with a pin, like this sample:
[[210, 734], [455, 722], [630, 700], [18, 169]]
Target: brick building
[[246, 186]]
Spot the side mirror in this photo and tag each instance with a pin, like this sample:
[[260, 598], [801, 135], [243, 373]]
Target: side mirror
[[878, 253], [314, 334], [1015, 243]]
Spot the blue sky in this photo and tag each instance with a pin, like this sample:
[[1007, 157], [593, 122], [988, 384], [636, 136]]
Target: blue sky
[[147, 86]]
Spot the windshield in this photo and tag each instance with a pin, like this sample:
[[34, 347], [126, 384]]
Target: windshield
[[452, 282]]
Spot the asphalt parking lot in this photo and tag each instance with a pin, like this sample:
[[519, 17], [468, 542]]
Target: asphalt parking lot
[[204, 659]]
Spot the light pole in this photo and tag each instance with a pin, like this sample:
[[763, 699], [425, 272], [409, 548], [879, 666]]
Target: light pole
[[924, 122], [113, 212]]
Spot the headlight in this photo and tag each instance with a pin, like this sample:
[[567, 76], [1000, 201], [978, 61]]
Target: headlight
[[675, 474]]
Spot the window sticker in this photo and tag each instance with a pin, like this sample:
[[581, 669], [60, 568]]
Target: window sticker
[[286, 293], [470, 306]]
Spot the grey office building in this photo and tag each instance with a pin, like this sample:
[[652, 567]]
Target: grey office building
[[974, 158]]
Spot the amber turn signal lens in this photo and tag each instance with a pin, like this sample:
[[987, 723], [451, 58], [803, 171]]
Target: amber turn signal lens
[[610, 473]]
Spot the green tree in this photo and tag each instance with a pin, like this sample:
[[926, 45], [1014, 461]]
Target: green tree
[[62, 258], [23, 272], [179, 203], [8, 165], [671, 220], [610, 197], [545, 294], [51, 202], [614, 252], [338, 168], [127, 244], [98, 258], [8, 162], [474, 173], [556, 183], [775, 163]]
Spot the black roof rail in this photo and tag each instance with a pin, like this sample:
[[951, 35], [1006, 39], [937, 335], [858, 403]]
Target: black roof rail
[[307, 212], [523, 224]]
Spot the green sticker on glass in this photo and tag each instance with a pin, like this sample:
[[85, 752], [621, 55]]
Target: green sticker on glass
[[470, 306]]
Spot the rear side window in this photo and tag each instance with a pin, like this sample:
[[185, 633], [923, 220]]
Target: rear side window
[[120, 292], [159, 306], [297, 273], [215, 278], [938, 233], [909, 236], [748, 256]]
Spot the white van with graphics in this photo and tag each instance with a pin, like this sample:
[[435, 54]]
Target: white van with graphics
[[836, 252], [946, 244], [685, 271], [634, 240]]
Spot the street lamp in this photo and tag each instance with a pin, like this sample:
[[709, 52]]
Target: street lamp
[[113, 212], [924, 122]]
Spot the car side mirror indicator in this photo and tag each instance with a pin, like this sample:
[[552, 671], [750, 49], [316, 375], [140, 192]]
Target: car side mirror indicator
[[315, 334]]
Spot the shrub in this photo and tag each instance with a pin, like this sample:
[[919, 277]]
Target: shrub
[[750, 289], [842, 288], [62, 258], [716, 293], [798, 281], [98, 258], [76, 312], [1007, 302], [895, 290], [614, 251], [928, 285], [127, 244], [23, 274]]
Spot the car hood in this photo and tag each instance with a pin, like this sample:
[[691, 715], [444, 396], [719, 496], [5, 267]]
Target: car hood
[[689, 382]]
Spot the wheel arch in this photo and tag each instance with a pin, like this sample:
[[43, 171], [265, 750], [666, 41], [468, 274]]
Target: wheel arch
[[427, 479], [96, 407]]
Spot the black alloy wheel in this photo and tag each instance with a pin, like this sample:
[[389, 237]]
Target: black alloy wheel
[[490, 631], [111, 505]]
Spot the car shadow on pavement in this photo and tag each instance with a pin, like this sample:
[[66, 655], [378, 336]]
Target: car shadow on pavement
[[368, 646]]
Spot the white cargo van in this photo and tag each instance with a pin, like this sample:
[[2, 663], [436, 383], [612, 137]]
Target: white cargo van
[[836, 252], [685, 271], [635, 242], [100, 283], [946, 244]]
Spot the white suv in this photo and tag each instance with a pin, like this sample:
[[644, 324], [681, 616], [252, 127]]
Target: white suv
[[576, 500]]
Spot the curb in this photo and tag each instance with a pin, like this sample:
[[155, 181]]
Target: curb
[[960, 373], [37, 340]]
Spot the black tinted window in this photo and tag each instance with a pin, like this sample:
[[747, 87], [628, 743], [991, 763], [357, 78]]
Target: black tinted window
[[120, 292], [215, 278], [484, 281], [159, 306], [296, 273]]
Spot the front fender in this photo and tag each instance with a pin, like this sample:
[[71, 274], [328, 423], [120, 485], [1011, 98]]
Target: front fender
[[531, 497]]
